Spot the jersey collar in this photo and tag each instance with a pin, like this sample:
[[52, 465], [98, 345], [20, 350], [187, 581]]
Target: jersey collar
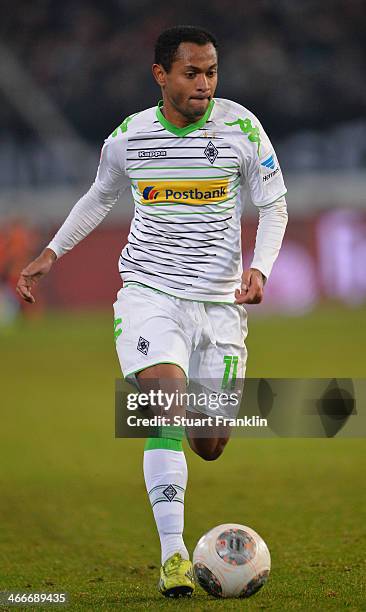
[[188, 128]]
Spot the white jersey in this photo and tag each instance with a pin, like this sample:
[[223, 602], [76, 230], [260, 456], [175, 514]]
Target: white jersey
[[189, 186]]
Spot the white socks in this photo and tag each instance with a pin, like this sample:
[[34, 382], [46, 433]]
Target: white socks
[[166, 476]]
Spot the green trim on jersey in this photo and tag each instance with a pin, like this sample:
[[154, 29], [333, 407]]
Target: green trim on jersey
[[188, 128], [202, 212], [183, 168], [174, 296], [175, 203], [178, 178]]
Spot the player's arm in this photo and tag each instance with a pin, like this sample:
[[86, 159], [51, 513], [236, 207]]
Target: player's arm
[[271, 229], [265, 185], [85, 216]]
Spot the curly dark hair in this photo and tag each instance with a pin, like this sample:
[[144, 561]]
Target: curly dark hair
[[168, 42]]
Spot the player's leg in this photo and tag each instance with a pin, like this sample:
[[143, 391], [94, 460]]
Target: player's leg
[[153, 349], [219, 365], [165, 467], [165, 472], [208, 449]]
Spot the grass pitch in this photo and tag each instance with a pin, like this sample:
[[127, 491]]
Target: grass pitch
[[74, 514]]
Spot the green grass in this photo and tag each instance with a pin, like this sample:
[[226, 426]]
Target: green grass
[[74, 514]]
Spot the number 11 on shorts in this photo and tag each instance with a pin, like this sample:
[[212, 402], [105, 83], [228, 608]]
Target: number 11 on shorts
[[231, 369]]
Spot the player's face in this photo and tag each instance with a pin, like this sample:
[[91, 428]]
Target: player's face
[[191, 82]]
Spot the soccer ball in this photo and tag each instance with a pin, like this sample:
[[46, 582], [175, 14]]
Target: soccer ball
[[231, 560]]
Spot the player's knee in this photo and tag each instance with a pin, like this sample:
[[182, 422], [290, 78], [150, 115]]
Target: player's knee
[[210, 454]]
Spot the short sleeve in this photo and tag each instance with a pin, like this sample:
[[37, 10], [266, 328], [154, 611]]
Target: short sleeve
[[92, 207], [262, 171], [111, 175]]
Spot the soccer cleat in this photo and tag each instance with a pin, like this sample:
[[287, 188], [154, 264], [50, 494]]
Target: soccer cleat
[[176, 577]]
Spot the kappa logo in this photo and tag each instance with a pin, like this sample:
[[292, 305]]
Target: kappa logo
[[124, 125], [152, 153], [143, 345], [252, 131]]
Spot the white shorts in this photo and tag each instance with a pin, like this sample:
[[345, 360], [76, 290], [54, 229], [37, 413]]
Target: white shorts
[[206, 340]]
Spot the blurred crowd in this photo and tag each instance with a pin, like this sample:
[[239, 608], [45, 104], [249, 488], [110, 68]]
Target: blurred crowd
[[298, 65], [18, 243]]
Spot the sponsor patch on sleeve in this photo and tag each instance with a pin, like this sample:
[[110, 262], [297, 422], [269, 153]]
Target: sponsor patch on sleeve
[[269, 167]]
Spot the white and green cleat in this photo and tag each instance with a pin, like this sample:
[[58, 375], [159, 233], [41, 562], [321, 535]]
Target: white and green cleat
[[176, 577]]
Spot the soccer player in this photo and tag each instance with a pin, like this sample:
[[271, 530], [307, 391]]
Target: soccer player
[[191, 163]]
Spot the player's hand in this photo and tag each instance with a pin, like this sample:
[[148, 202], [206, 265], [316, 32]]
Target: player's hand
[[251, 291], [33, 272]]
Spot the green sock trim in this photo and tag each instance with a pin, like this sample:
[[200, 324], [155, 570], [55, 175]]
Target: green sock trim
[[163, 443], [173, 432], [167, 437]]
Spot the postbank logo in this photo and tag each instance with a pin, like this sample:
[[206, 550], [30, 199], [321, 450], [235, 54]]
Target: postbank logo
[[194, 193]]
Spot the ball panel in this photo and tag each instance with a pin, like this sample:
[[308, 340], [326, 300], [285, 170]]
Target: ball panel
[[207, 580], [235, 546], [255, 584]]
